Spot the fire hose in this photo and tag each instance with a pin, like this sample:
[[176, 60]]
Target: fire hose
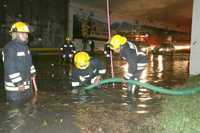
[[168, 91]]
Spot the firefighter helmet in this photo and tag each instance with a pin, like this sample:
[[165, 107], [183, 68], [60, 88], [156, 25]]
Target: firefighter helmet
[[82, 60], [20, 27], [116, 41]]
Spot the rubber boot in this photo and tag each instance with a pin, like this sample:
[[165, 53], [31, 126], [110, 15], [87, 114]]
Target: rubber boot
[[131, 101], [131, 88]]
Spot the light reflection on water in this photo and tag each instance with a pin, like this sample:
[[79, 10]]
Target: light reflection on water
[[169, 71], [55, 91]]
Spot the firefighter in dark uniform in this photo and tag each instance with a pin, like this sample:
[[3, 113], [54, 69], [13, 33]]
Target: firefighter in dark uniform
[[136, 60], [18, 68], [68, 50], [87, 70], [107, 51], [92, 46]]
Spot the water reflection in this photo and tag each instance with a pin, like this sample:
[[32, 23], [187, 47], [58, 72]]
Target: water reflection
[[81, 97], [52, 111], [17, 117]]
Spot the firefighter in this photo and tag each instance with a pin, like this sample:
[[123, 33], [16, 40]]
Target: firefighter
[[18, 68], [68, 50], [107, 51], [87, 70], [129, 52], [92, 46]]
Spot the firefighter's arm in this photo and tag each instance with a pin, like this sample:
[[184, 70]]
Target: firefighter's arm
[[101, 71], [101, 68], [74, 79], [33, 78]]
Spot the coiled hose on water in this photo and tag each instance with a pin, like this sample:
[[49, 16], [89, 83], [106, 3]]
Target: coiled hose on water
[[179, 91]]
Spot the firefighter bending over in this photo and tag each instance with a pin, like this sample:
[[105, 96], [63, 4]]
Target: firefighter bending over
[[128, 51], [87, 70]]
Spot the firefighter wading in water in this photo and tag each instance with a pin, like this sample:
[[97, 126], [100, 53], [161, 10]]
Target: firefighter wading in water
[[18, 68], [87, 70], [68, 50], [128, 51]]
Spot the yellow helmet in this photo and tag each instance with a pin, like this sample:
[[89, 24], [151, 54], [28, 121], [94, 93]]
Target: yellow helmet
[[116, 41], [82, 60], [20, 27]]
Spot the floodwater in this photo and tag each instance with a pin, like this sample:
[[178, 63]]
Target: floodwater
[[106, 110]]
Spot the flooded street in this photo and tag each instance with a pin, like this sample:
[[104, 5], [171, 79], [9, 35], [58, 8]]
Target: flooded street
[[107, 110]]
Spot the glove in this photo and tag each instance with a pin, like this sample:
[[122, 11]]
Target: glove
[[131, 88], [21, 87], [96, 80]]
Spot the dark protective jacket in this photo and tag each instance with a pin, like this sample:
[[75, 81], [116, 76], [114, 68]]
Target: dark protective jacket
[[136, 60], [107, 50], [87, 76], [18, 67], [68, 50]]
